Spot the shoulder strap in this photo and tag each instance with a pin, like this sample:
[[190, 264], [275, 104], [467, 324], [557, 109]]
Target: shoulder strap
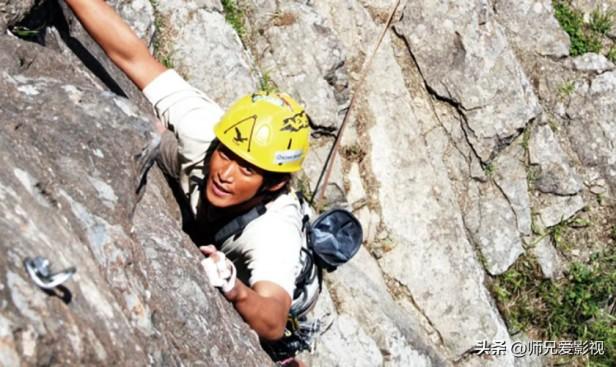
[[305, 216], [236, 225]]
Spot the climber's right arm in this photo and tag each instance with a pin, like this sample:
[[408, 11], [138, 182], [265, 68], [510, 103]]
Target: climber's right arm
[[118, 40]]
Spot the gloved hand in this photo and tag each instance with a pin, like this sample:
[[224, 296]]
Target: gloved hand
[[144, 161], [219, 270]]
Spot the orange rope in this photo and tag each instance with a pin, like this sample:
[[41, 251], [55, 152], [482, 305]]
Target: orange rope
[[329, 162]]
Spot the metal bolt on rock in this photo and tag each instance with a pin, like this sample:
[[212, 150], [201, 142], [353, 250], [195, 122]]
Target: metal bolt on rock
[[40, 272]]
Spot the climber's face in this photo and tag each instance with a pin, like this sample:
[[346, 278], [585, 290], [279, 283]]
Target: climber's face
[[231, 180]]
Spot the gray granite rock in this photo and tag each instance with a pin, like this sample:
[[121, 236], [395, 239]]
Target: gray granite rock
[[512, 179], [399, 339], [346, 342], [139, 14], [548, 258], [592, 62], [465, 57], [67, 187], [556, 209], [444, 98], [556, 175], [592, 131], [531, 26], [88, 57], [303, 56], [13, 11], [527, 359], [419, 208], [493, 228], [206, 50]]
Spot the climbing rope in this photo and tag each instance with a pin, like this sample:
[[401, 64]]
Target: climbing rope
[[331, 156]]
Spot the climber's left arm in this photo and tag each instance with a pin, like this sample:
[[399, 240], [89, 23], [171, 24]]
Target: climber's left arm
[[118, 40]]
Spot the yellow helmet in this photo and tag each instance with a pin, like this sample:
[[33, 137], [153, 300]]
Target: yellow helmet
[[269, 130]]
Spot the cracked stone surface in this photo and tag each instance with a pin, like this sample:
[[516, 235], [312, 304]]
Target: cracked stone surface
[[591, 130], [493, 227], [511, 178], [207, 51], [465, 57], [419, 188], [345, 343], [555, 209], [555, 176], [315, 75], [517, 17], [400, 339], [456, 152], [67, 195]]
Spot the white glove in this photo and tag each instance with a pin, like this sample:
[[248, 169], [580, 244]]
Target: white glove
[[221, 272]]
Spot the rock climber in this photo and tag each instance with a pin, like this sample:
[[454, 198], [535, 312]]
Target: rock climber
[[226, 164]]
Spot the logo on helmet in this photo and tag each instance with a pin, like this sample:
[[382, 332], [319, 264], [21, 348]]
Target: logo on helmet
[[243, 131], [296, 122], [287, 156]]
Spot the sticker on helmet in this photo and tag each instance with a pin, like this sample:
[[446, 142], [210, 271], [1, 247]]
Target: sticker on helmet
[[287, 156], [296, 122], [270, 99], [242, 132]]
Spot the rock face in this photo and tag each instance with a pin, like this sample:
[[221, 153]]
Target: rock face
[[591, 131], [473, 134], [556, 175], [12, 12], [464, 57], [206, 50], [547, 38], [67, 188]]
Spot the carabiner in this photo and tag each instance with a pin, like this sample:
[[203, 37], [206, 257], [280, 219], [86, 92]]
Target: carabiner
[[40, 273]]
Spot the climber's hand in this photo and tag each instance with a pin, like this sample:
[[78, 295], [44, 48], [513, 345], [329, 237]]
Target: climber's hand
[[219, 270], [144, 161]]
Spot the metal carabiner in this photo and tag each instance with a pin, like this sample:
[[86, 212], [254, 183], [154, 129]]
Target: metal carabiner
[[40, 273]]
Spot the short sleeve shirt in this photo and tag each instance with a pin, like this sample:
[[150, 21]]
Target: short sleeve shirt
[[269, 247]]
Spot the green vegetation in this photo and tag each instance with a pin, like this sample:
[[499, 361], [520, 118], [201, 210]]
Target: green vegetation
[[526, 138], [24, 32], [266, 83], [161, 43], [488, 168], [601, 22], [611, 54], [234, 16], [532, 174], [576, 307], [566, 89], [553, 124], [584, 37], [559, 233]]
